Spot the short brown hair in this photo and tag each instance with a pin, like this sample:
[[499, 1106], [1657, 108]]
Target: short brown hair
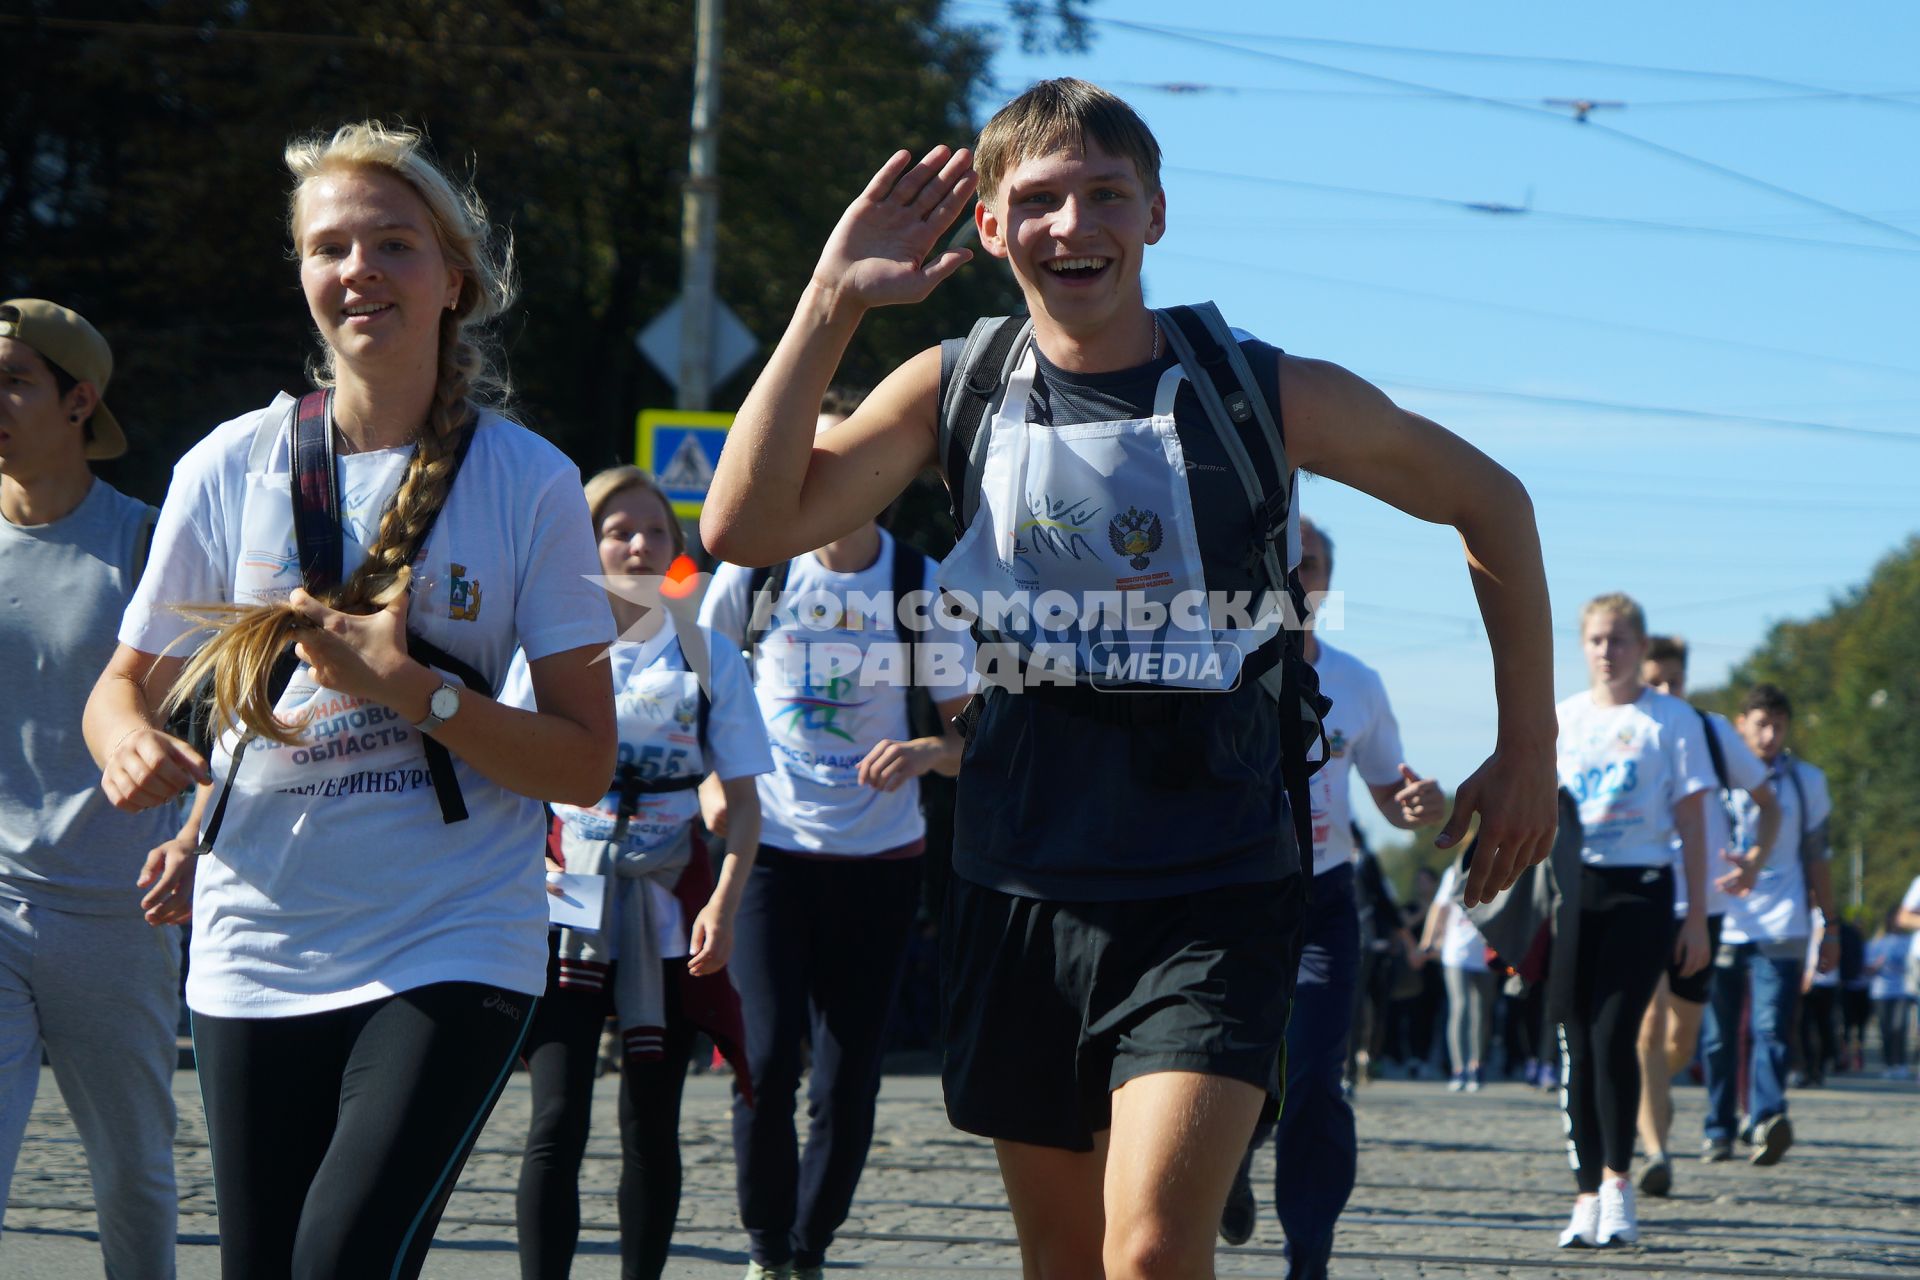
[[1667, 649], [1620, 605], [1063, 113], [1770, 698]]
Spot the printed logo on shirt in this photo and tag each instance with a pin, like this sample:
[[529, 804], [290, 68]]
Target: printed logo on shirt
[[1057, 526], [1135, 534], [818, 708], [463, 598], [1337, 744]]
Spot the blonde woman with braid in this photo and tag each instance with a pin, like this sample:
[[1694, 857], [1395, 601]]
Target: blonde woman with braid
[[365, 960]]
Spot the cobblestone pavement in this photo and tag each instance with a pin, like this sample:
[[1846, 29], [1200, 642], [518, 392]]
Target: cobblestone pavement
[[1450, 1184]]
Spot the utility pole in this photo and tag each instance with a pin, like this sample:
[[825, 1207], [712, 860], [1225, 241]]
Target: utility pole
[[699, 212]]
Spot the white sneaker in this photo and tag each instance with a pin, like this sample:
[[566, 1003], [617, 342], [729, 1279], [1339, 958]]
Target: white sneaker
[[1617, 1220], [1584, 1231]]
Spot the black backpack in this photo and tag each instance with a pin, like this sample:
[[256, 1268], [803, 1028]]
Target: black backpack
[[768, 584], [1248, 429]]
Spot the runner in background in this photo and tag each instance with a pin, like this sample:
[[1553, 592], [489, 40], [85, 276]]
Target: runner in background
[[1893, 1003], [1764, 941], [657, 955], [1315, 1149], [830, 905], [1670, 1032], [1635, 762], [1471, 987]]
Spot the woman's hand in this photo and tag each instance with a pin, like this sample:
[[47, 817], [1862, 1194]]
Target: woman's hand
[[712, 941], [148, 768], [1690, 950], [876, 256], [1513, 792], [168, 879], [363, 654]]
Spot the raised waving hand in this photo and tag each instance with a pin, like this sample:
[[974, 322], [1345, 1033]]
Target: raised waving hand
[[877, 254]]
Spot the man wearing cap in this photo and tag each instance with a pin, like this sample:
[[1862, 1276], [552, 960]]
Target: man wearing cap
[[82, 974]]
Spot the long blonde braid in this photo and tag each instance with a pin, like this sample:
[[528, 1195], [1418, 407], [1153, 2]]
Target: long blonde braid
[[248, 639]]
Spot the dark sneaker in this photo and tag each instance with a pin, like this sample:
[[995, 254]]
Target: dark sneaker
[[1771, 1138], [1716, 1151], [1238, 1218], [1657, 1178]]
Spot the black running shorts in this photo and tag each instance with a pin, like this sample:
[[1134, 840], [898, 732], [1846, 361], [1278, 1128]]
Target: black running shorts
[[1051, 1006], [1694, 989]]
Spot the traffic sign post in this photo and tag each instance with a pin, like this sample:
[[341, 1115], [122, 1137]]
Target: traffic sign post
[[680, 448]]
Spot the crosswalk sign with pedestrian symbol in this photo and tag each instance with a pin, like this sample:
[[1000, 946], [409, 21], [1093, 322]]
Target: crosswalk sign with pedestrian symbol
[[680, 448]]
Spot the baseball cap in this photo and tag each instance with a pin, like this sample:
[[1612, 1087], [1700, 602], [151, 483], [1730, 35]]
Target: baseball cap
[[65, 338]]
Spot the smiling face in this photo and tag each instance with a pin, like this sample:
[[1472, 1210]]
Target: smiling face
[[371, 266], [1074, 224]]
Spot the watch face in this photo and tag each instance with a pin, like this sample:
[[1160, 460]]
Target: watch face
[[445, 701]]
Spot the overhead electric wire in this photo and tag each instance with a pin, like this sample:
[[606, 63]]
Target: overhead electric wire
[[1634, 139], [1474, 55], [1484, 207], [1647, 410], [1540, 314]]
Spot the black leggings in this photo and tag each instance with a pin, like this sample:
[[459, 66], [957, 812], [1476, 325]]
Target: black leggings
[[560, 1053], [337, 1137], [1626, 938], [1819, 1042]]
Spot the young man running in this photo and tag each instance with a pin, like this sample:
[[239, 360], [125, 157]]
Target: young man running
[[1315, 1146], [82, 975], [1119, 941], [1763, 942], [1671, 1028]]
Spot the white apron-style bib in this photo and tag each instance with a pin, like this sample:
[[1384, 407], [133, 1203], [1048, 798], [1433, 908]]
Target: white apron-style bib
[[342, 734], [658, 713], [1091, 528]]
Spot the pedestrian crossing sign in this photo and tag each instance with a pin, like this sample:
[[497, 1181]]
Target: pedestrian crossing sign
[[680, 448]]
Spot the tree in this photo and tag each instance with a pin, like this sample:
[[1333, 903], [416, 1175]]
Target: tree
[[140, 178], [1853, 674]]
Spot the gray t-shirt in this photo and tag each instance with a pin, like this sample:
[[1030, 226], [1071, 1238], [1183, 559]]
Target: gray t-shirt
[[63, 587]]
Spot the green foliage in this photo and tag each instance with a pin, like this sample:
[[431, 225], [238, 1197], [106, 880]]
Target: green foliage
[[1854, 676], [141, 181]]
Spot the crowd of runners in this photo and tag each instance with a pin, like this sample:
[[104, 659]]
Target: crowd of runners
[[448, 759]]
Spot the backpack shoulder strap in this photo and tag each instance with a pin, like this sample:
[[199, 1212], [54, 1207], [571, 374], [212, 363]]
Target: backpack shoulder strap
[[765, 586], [986, 361], [1713, 748], [316, 493], [909, 576]]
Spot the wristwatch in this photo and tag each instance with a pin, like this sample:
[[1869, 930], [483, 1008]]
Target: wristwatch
[[441, 707]]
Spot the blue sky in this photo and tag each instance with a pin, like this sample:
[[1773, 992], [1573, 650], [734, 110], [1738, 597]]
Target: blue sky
[[1721, 526]]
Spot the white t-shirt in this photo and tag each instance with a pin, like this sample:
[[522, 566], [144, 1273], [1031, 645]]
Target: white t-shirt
[[1461, 946], [1912, 901], [1745, 772], [1361, 734], [1889, 953], [1831, 978], [656, 724], [831, 684], [1776, 910], [348, 886], [1627, 767]]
